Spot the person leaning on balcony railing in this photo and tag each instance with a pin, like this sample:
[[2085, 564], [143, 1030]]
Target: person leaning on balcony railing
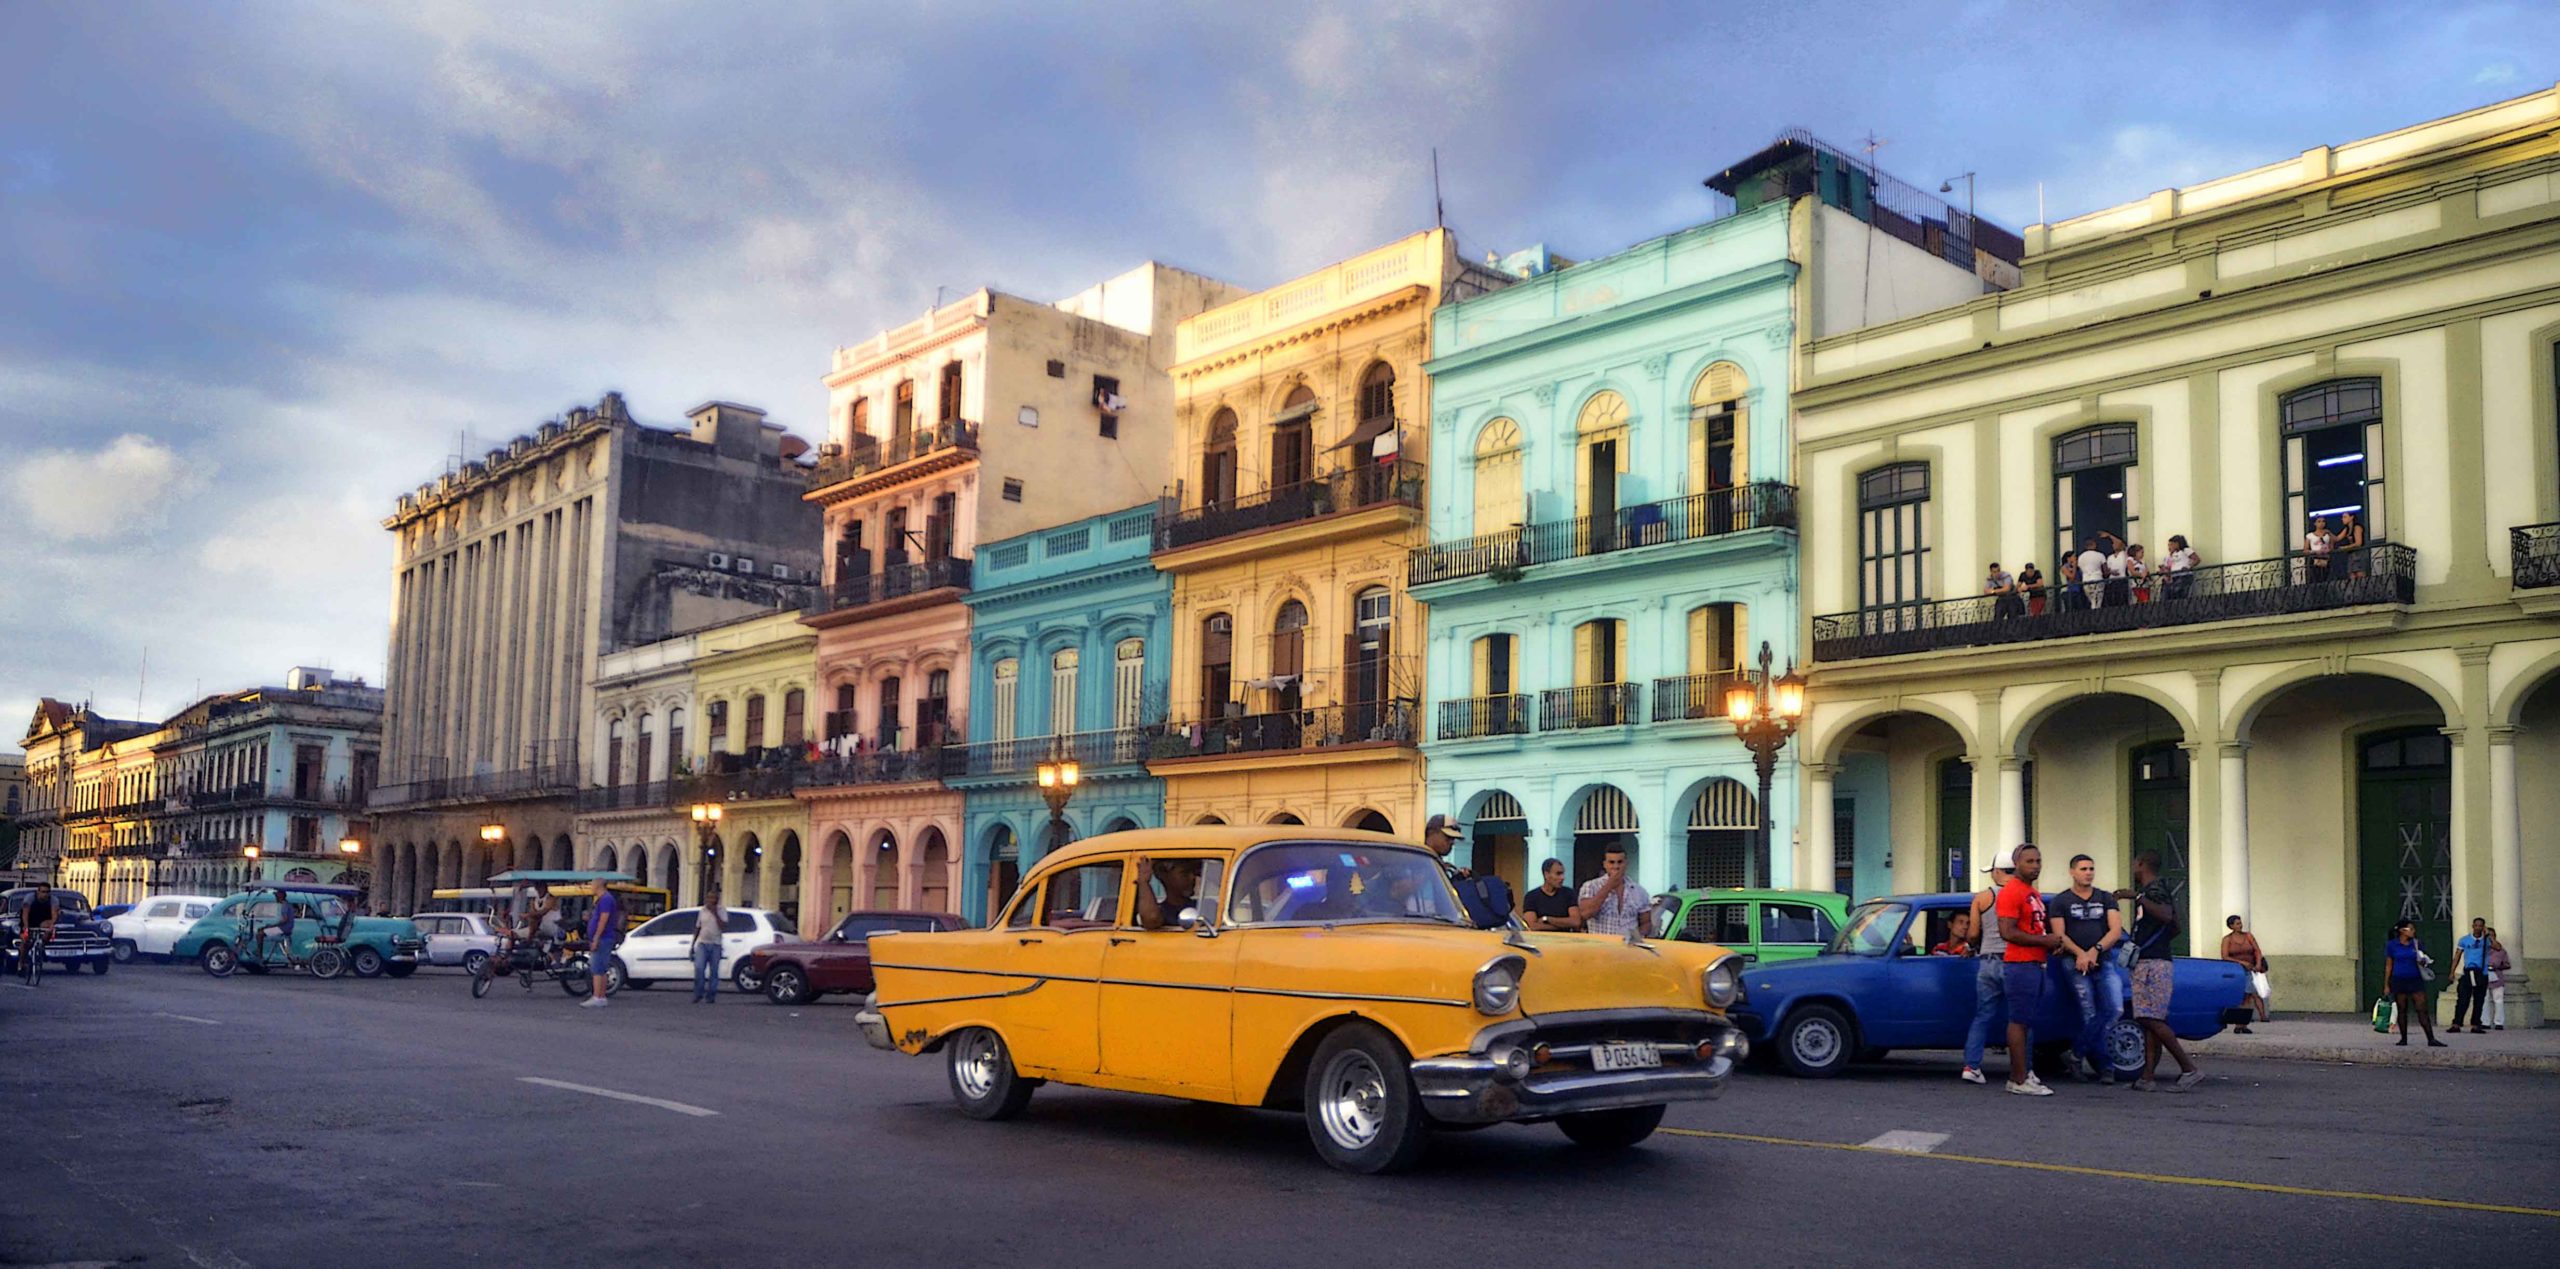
[[2003, 590], [2177, 568], [2316, 546], [2349, 543], [2092, 564], [2119, 570], [2137, 573], [2031, 590]]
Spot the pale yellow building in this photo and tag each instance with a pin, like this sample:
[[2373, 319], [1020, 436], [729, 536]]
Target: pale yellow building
[[1301, 417]]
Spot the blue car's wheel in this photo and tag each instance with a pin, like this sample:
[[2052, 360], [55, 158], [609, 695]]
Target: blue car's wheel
[[2124, 1048], [1816, 1042]]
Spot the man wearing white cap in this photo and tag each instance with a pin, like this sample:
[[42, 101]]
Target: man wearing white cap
[[1989, 950], [1487, 899]]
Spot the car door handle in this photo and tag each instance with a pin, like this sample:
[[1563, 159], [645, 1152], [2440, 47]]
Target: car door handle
[[1117, 940], [1029, 942]]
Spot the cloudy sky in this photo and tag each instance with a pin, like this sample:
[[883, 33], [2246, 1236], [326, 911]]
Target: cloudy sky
[[267, 265]]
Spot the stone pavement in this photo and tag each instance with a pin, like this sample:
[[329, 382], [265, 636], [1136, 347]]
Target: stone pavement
[[2338, 1037]]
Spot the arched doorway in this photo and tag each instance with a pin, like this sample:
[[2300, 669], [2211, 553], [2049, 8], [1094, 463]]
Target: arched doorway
[[1604, 818], [1004, 869], [933, 872], [638, 865], [885, 866], [841, 877], [1900, 776], [1121, 824], [454, 863], [1723, 828], [1284, 817], [668, 878], [787, 896], [751, 872], [1500, 839], [2404, 842], [1370, 821], [607, 860], [563, 853]]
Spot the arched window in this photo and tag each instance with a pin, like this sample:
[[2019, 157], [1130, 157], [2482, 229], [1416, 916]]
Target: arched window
[[676, 755], [843, 720], [1128, 683], [1062, 691], [1289, 657], [893, 712], [1293, 444], [1600, 653], [933, 713], [1008, 681], [753, 738], [857, 420], [1719, 432], [1217, 664], [613, 755], [643, 764], [1600, 439], [2093, 486], [1218, 461], [2333, 459], [1893, 543], [1377, 392], [795, 718], [1498, 504]]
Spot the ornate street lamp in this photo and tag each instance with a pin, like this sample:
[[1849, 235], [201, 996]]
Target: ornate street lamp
[[491, 835], [706, 830], [1058, 778], [1764, 710]]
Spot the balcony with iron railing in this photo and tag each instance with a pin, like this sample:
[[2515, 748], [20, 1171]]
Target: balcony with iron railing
[[894, 582], [545, 780], [865, 454], [1093, 752], [1596, 705], [1715, 513], [2535, 555], [1388, 722], [878, 766], [2288, 587], [1692, 697], [1479, 716], [1352, 489]]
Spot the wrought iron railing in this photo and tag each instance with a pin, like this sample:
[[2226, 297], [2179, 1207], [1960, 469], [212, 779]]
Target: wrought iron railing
[[1317, 727], [2536, 556], [878, 766], [1691, 696], [1596, 705], [1367, 485], [894, 582], [1022, 756], [2381, 574], [1761, 505], [648, 795], [545, 780], [1484, 716], [867, 454]]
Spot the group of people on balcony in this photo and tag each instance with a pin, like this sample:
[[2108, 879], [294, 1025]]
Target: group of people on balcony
[[2323, 548], [2108, 572]]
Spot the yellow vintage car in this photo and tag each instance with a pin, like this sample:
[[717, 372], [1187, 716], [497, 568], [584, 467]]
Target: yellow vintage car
[[1326, 971]]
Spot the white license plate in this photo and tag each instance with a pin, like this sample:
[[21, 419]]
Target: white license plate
[[1625, 1057]]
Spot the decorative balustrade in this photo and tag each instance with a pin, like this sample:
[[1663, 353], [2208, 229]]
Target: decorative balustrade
[[1580, 708], [2535, 554], [1484, 716], [1691, 696], [897, 581], [1282, 731], [1714, 513], [1352, 489], [868, 454]]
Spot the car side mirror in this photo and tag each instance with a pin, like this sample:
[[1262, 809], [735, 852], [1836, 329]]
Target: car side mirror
[[1202, 924]]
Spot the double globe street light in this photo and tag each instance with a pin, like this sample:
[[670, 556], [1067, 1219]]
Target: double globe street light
[[1058, 778], [706, 833], [1764, 710]]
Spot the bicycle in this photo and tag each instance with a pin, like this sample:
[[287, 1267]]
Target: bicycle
[[528, 960], [31, 957]]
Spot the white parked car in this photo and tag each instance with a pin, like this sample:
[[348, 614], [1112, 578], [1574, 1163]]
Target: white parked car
[[662, 950], [457, 938], [150, 926]]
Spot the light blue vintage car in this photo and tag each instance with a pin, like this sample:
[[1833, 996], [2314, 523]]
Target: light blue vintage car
[[328, 938]]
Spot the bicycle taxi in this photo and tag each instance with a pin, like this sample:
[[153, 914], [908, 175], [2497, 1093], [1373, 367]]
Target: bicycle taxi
[[532, 948], [299, 927]]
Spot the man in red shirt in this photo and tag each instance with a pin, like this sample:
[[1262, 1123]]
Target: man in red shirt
[[2022, 971]]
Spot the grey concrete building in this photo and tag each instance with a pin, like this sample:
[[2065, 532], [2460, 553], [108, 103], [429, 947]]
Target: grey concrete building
[[516, 572]]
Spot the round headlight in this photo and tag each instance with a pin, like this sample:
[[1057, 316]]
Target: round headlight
[[1497, 986], [1723, 982]]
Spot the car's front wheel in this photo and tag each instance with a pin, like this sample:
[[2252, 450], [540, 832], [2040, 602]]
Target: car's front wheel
[[219, 960], [1816, 1043], [786, 985], [745, 978], [1362, 1112], [1611, 1129], [123, 951], [2124, 1048], [366, 962], [983, 1080], [101, 965]]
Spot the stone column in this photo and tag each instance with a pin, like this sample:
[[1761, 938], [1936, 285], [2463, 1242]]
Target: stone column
[[1815, 862], [2506, 877], [2013, 801], [2233, 841]]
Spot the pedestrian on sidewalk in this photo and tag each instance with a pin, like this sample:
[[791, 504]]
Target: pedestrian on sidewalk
[[2155, 972], [1551, 906], [2090, 927], [2499, 966], [2471, 991], [1988, 958], [708, 925], [2027, 945], [2409, 981], [1485, 897], [2240, 947], [1612, 903], [604, 930]]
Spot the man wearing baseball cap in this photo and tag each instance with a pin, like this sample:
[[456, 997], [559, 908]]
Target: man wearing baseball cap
[[1989, 987], [1487, 899]]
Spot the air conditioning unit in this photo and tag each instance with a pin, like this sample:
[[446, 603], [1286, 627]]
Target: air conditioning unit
[[782, 572], [746, 565], [719, 560]]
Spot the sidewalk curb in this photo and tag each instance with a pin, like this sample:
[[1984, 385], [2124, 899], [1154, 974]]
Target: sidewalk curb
[[2387, 1054]]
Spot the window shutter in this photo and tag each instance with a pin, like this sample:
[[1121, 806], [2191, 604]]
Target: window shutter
[[1618, 653], [1584, 661], [1351, 686], [1482, 683], [1386, 661], [1737, 641], [1702, 623]]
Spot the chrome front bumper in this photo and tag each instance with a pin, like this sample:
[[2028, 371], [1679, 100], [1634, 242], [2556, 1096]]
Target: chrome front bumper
[[1477, 1089]]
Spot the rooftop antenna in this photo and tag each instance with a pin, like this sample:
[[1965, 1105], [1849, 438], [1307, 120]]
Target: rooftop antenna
[[1867, 283], [1439, 214]]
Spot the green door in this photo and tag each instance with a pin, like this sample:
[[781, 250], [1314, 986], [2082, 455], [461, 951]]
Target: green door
[[2404, 848], [1955, 828], [2159, 816]]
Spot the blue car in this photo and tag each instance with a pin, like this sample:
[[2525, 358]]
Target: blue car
[[1877, 988]]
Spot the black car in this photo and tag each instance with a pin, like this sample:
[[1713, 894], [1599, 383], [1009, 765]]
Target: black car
[[79, 935]]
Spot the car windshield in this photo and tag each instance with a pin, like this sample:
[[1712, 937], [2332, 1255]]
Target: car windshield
[[1870, 930], [1341, 881]]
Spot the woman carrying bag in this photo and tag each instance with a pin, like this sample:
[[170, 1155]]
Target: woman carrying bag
[[2498, 967], [2241, 948], [2408, 981]]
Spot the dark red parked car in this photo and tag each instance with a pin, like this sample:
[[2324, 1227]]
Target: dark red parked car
[[797, 973]]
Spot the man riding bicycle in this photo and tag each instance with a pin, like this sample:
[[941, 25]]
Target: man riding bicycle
[[36, 924], [281, 928]]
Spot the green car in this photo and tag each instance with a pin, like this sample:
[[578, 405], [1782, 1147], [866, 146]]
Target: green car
[[1765, 926], [328, 938]]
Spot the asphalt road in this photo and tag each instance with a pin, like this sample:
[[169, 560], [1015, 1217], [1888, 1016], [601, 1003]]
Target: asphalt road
[[160, 1116]]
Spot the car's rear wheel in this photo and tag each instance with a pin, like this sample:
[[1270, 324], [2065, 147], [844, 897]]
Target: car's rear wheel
[[472, 961], [1362, 1113], [219, 960], [2124, 1048], [618, 976], [1816, 1043], [983, 1080], [366, 962], [745, 978], [786, 985], [123, 951], [1611, 1129]]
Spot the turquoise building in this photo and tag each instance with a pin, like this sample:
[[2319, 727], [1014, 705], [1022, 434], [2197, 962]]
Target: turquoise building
[[1068, 655], [1614, 522]]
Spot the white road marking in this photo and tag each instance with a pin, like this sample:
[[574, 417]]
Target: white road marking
[[188, 1017], [1908, 1142], [659, 1102]]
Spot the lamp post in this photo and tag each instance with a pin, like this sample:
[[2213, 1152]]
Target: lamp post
[[250, 853], [492, 835], [1058, 778], [352, 849], [1764, 710], [706, 830]]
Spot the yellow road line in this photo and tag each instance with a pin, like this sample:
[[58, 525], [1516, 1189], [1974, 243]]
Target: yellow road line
[[2157, 1178]]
